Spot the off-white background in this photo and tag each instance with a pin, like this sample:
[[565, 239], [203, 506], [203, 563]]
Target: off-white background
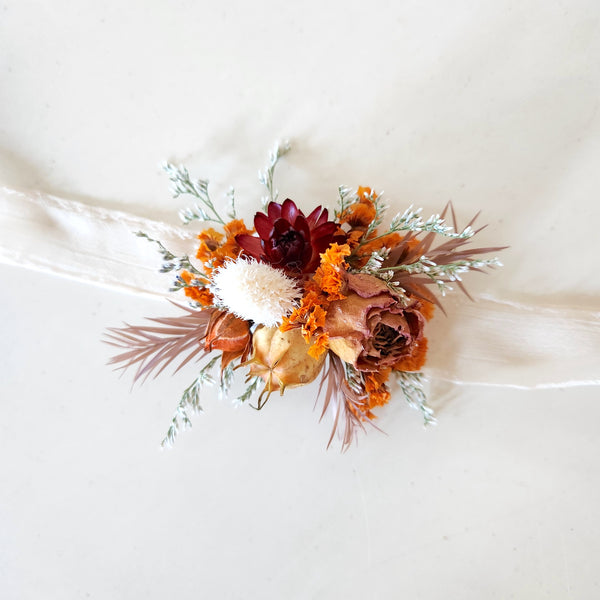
[[492, 105]]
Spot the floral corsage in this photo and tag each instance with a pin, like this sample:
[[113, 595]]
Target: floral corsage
[[304, 296]]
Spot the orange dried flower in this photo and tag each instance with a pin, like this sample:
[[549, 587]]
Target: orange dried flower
[[376, 388], [210, 240], [320, 345], [416, 359], [365, 193], [335, 254], [236, 227], [215, 248], [332, 282], [325, 286], [314, 321], [199, 294], [427, 309], [329, 276], [310, 317], [299, 315], [360, 214], [354, 237], [187, 277], [391, 240]]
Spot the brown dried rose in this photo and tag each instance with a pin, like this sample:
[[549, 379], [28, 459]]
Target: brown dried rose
[[370, 328], [281, 359], [227, 333]]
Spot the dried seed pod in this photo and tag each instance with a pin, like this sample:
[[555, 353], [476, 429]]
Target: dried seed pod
[[281, 359]]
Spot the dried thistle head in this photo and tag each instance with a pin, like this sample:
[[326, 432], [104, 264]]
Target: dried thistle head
[[254, 291]]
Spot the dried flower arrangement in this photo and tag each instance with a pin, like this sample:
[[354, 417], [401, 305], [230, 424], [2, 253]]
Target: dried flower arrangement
[[300, 296]]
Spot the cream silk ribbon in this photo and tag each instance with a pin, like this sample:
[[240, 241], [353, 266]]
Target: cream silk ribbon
[[488, 342]]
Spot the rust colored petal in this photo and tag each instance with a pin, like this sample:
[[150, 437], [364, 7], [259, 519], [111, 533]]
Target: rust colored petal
[[250, 245], [416, 359], [227, 332], [348, 317], [227, 357], [370, 329], [366, 286]]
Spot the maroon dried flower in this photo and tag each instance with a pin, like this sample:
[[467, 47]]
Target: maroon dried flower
[[289, 240]]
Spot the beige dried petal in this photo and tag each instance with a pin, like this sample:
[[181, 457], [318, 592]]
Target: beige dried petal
[[281, 359], [346, 348]]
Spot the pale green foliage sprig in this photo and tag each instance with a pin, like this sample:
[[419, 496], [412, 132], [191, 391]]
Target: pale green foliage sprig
[[441, 273], [190, 400], [266, 177], [226, 380], [412, 386], [172, 263], [181, 183], [179, 284], [345, 199], [411, 220], [380, 208], [249, 391], [230, 195]]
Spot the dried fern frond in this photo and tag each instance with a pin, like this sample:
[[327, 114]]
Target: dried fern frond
[[153, 348], [441, 263], [347, 405]]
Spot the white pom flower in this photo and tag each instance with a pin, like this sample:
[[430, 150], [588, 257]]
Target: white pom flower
[[254, 291]]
